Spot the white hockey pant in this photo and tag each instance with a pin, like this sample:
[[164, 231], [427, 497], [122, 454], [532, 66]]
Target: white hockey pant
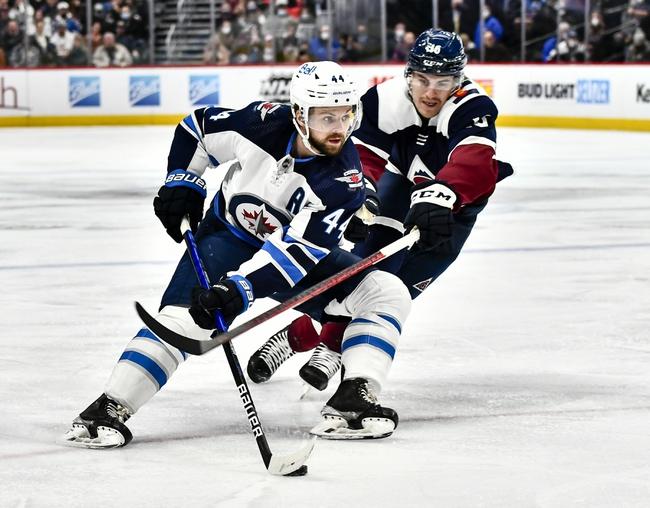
[[379, 306], [147, 363]]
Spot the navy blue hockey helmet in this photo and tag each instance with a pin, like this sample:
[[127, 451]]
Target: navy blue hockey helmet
[[437, 52]]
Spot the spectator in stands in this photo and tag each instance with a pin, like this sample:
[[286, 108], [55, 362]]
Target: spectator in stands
[[111, 54], [289, 43], [215, 52], [63, 41], [95, 36], [565, 47], [319, 45], [360, 46], [49, 9], [491, 23], [401, 51], [23, 14], [494, 50], [396, 38], [42, 42], [79, 55], [639, 48], [600, 43], [65, 16], [10, 38], [459, 16]]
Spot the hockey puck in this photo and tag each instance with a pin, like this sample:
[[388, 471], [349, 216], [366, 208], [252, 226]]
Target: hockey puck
[[301, 471]]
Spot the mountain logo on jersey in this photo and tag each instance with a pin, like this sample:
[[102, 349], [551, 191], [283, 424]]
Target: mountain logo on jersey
[[255, 216], [83, 91], [204, 90], [419, 172], [352, 177], [422, 285], [144, 90]]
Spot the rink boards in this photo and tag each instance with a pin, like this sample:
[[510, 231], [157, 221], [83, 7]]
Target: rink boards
[[570, 96]]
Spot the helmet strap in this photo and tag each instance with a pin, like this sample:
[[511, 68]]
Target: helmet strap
[[304, 135]]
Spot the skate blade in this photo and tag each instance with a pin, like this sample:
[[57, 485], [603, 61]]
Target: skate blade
[[78, 437], [336, 428]]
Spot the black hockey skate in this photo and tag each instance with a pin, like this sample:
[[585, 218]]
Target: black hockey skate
[[353, 412], [100, 425], [321, 367], [266, 360]]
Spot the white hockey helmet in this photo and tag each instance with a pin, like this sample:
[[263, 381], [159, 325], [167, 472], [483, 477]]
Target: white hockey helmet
[[322, 84]]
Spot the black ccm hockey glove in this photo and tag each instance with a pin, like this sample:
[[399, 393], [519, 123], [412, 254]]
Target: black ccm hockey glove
[[230, 296], [357, 230], [183, 194], [431, 212]]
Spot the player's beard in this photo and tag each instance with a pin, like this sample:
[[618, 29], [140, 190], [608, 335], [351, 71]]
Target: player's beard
[[321, 146]]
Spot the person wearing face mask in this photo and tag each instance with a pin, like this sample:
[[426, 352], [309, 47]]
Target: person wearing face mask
[[639, 48], [429, 140], [319, 45]]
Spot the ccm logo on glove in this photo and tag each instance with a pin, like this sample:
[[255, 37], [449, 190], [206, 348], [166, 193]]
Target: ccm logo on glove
[[434, 193]]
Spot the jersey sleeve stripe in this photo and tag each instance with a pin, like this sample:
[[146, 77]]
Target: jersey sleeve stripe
[[473, 140], [285, 263]]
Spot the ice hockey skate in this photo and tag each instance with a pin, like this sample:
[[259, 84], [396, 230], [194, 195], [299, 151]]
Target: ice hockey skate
[[100, 425], [266, 360], [353, 412], [321, 367]]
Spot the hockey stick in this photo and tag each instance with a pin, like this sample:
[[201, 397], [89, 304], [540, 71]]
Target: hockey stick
[[289, 465], [200, 347]]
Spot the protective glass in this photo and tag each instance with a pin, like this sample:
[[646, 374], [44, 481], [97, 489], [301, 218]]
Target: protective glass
[[421, 83], [334, 119]]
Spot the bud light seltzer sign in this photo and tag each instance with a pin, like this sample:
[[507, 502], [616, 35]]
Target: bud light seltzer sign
[[204, 90], [83, 91], [144, 90]]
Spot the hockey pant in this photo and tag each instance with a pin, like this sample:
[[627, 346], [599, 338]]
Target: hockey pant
[[416, 268], [378, 301]]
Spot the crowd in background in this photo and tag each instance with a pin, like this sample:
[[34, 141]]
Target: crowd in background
[[52, 33], [298, 30]]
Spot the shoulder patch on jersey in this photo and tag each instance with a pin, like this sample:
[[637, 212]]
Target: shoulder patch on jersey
[[266, 108], [352, 177]]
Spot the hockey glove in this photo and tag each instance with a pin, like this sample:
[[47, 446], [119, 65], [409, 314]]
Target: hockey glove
[[183, 194], [357, 230], [230, 296], [431, 212]]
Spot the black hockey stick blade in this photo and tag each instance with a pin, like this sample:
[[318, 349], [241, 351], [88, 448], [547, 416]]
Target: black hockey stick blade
[[191, 346]]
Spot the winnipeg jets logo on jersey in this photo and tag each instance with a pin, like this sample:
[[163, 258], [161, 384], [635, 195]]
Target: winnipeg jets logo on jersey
[[352, 177], [255, 216], [419, 172]]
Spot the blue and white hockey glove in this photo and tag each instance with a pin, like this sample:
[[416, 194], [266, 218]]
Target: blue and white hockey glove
[[432, 203], [357, 230], [183, 194], [230, 296]]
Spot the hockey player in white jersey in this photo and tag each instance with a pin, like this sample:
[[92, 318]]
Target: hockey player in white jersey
[[284, 203], [429, 139]]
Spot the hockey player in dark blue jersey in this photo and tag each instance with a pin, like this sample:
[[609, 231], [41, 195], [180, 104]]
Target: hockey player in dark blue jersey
[[292, 183], [429, 139]]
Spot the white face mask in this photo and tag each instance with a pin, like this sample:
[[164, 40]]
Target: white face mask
[[638, 38], [226, 28]]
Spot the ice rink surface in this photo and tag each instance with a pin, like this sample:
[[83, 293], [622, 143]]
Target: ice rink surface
[[522, 378]]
